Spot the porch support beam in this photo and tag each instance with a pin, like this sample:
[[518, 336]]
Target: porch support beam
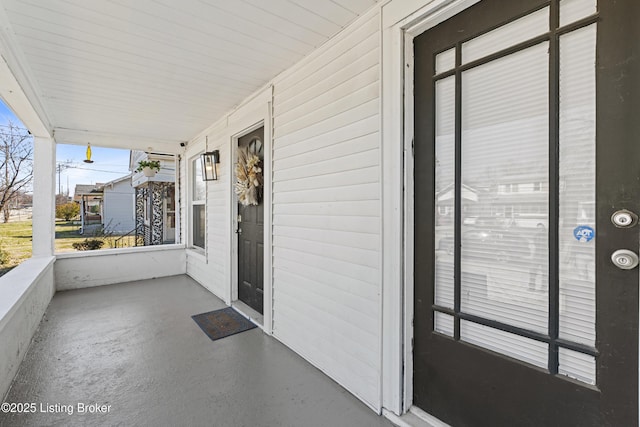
[[111, 140], [44, 162]]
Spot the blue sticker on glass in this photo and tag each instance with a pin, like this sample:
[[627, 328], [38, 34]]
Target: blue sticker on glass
[[584, 233]]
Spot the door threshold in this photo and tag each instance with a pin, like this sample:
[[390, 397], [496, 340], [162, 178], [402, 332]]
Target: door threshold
[[416, 417], [249, 313]]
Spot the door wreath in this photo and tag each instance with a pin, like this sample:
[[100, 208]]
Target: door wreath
[[249, 179]]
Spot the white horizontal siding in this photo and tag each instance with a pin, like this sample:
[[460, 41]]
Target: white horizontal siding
[[119, 212], [355, 223], [330, 146], [331, 124], [197, 270], [344, 97], [344, 193], [340, 45], [326, 209], [351, 208], [119, 207], [211, 269], [218, 213]]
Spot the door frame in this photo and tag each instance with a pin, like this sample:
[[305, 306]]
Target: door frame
[[401, 23], [254, 114]]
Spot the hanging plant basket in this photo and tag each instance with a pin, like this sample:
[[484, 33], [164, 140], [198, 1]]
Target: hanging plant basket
[[148, 167], [148, 172], [249, 178]]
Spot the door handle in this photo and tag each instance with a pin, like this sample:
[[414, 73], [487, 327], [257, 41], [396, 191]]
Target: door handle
[[624, 259], [239, 231]]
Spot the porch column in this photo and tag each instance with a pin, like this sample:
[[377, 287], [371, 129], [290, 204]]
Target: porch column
[[157, 227], [44, 196], [83, 213]]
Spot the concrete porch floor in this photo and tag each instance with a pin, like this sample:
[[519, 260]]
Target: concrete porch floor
[[135, 347]]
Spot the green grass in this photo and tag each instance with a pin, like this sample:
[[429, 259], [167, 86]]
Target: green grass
[[15, 244], [67, 235], [16, 239]]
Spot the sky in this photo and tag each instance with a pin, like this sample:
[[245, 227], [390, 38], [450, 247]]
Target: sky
[[108, 163]]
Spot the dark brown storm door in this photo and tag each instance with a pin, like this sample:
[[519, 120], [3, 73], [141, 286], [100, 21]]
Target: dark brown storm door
[[526, 144], [250, 234]]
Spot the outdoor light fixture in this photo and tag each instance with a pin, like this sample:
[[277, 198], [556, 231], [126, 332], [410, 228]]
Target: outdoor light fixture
[[88, 159], [209, 168]]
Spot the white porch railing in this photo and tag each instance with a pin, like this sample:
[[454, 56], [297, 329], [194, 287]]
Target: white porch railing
[[27, 290], [86, 269], [25, 293]]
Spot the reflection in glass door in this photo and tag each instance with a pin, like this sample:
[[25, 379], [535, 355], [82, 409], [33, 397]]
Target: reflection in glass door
[[501, 161]]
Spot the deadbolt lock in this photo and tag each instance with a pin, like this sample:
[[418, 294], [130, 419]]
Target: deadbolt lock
[[624, 218], [624, 259]]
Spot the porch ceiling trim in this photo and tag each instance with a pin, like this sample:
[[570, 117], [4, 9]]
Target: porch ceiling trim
[[18, 87], [128, 142]]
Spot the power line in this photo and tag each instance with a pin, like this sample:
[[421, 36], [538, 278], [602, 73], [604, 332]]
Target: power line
[[15, 127], [64, 165], [99, 170]]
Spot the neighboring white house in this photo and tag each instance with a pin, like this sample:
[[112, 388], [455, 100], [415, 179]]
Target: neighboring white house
[[89, 197], [118, 205]]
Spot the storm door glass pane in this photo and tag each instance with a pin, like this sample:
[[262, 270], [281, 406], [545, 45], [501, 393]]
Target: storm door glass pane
[[577, 365], [505, 190], [573, 10], [577, 232], [518, 31], [445, 191], [443, 323], [525, 349], [446, 60]]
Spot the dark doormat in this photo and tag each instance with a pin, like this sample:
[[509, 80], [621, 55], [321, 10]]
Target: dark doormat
[[222, 323]]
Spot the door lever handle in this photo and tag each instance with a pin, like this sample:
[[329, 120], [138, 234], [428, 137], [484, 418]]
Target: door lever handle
[[239, 231]]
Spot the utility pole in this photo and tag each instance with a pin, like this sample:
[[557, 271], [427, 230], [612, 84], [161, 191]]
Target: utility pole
[[62, 166]]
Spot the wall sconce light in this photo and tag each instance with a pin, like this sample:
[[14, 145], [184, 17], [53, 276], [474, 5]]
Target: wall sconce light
[[210, 161]]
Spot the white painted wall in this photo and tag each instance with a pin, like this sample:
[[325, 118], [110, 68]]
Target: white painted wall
[[326, 208], [105, 267], [210, 267], [119, 207], [25, 293]]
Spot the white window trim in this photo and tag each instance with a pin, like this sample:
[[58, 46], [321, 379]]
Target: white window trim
[[191, 203]]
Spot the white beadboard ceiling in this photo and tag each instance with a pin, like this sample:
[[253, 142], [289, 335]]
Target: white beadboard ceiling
[[160, 69]]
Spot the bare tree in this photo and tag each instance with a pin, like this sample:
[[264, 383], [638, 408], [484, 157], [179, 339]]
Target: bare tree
[[16, 165]]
